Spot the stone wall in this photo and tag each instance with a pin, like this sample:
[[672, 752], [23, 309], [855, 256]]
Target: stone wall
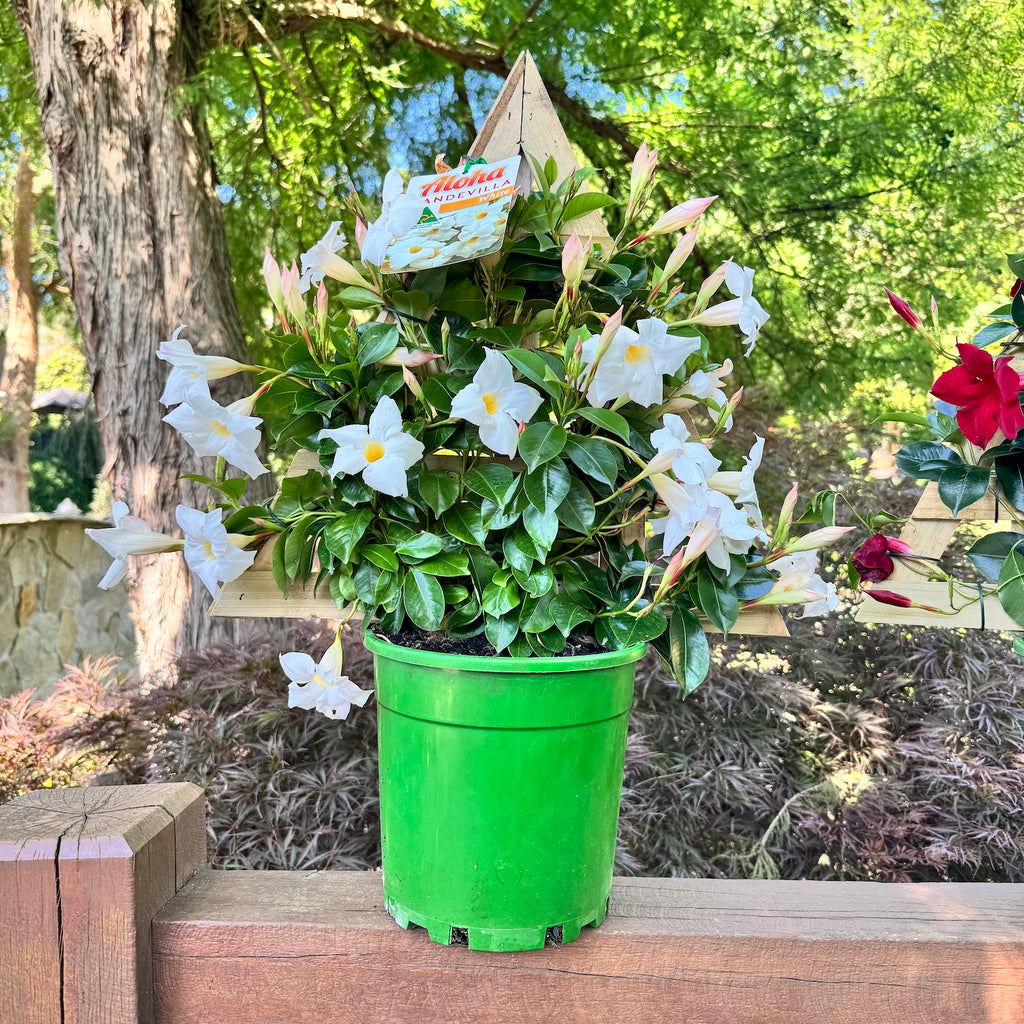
[[51, 611]]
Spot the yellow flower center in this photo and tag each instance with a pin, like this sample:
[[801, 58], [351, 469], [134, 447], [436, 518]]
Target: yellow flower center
[[636, 353], [482, 215], [373, 451], [490, 401], [209, 549], [413, 249], [219, 428], [317, 678]]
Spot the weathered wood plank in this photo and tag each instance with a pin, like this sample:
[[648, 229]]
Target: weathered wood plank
[[114, 856], [294, 946]]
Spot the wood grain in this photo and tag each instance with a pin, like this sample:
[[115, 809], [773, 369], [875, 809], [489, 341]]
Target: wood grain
[[78, 949], [314, 946]]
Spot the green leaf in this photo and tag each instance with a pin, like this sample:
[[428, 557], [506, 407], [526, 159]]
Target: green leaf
[[277, 564], [358, 298], [499, 599], [501, 631], [821, 508], [568, 614], [536, 583], [1017, 309], [423, 599], [542, 527], [547, 486], [419, 546], [925, 460], [466, 299], [535, 616], [1015, 261], [1011, 583], [577, 511], [540, 443], [584, 203], [627, 629], [344, 532], [960, 486], [492, 481], [438, 490], [988, 554], [530, 365], [520, 550], [593, 457], [690, 654], [465, 522], [446, 564], [381, 556], [1010, 474], [991, 333], [607, 420], [717, 603], [375, 342]]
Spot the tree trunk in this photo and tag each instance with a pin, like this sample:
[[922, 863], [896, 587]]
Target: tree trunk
[[142, 250], [18, 362]]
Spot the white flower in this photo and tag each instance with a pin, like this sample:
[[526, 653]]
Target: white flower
[[188, 368], [496, 403], [752, 317], [321, 686], [636, 362], [413, 253], [399, 212], [323, 259], [686, 506], [209, 551], [212, 429], [380, 451], [130, 536], [798, 575], [740, 485], [693, 463], [736, 534]]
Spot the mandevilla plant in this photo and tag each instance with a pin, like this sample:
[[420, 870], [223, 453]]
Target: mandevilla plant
[[976, 448], [517, 449]]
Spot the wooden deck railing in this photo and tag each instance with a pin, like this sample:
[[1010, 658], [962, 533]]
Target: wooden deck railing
[[108, 914]]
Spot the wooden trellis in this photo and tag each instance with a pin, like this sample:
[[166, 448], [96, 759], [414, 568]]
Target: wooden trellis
[[522, 122]]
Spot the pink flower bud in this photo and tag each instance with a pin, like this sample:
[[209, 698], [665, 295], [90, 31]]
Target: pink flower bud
[[890, 597], [574, 260], [321, 301], [272, 277], [818, 538], [680, 254], [903, 309], [711, 284], [680, 216], [360, 232], [643, 169], [293, 301], [608, 332]]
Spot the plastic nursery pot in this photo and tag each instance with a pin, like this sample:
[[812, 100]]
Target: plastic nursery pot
[[500, 781]]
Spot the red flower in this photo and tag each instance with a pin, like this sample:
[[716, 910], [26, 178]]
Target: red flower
[[987, 393], [1016, 287], [872, 559]]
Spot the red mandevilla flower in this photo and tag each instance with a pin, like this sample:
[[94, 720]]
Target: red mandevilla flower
[[987, 392], [872, 559]]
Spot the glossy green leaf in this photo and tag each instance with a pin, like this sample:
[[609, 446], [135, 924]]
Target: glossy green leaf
[[419, 546], [375, 342], [960, 486], [595, 458], [438, 490], [345, 532], [423, 600], [988, 554], [606, 420], [1011, 584], [547, 486], [690, 654], [716, 602], [540, 443]]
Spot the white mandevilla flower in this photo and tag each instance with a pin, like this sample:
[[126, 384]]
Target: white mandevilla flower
[[740, 484], [398, 213], [736, 533], [636, 362], [686, 507], [496, 403], [323, 260], [321, 686], [798, 576], [209, 549], [188, 368], [379, 451], [752, 317], [693, 463], [129, 536], [213, 429], [413, 253]]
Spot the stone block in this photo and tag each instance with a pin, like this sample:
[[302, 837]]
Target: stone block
[[28, 601], [67, 636]]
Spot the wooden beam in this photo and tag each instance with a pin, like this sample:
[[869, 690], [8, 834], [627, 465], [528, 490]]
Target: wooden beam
[[253, 947], [82, 872]]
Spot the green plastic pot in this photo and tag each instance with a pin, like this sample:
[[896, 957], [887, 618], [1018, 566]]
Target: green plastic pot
[[500, 781]]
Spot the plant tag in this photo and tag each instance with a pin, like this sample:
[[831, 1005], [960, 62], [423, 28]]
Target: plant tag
[[464, 216]]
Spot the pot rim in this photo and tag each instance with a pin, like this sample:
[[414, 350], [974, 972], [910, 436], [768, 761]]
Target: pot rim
[[498, 663]]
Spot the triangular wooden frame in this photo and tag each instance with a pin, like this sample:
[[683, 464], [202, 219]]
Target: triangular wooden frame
[[928, 532], [521, 121]]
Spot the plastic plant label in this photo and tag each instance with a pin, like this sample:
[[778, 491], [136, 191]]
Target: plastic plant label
[[464, 216]]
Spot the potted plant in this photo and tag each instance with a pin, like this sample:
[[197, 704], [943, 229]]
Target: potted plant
[[511, 477], [974, 461]]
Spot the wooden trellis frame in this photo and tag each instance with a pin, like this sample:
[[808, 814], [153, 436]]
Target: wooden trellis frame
[[522, 121]]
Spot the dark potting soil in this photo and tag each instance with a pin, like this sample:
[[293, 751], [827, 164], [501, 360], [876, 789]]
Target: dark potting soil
[[479, 646]]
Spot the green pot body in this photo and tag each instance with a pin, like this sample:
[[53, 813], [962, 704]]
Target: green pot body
[[500, 781]]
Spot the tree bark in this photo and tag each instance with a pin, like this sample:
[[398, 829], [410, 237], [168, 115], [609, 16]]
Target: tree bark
[[142, 250], [18, 359]]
